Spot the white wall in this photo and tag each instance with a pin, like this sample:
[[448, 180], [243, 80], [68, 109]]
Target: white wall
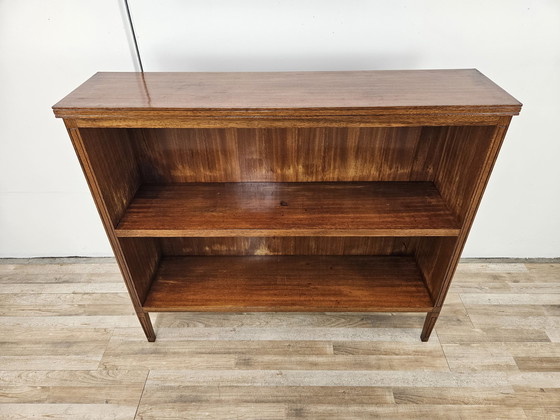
[[47, 47]]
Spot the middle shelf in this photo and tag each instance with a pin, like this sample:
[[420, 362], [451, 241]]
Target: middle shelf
[[288, 209]]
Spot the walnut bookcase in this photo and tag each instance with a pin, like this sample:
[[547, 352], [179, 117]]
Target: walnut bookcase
[[304, 191]]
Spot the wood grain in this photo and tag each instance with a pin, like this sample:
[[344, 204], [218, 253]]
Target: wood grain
[[329, 411], [288, 209], [315, 93], [315, 154], [113, 180], [223, 284], [109, 387], [116, 174], [263, 394], [177, 119], [462, 164], [462, 175], [235, 365], [142, 258], [289, 245]]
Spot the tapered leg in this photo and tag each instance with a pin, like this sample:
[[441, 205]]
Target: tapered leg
[[429, 324], [146, 323]]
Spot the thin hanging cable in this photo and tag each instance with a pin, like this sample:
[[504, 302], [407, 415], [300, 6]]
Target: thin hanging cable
[[134, 36]]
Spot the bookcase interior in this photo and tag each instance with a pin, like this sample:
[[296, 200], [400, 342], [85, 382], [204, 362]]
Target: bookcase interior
[[401, 161]]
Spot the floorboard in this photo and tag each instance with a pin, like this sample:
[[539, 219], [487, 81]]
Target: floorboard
[[71, 348]]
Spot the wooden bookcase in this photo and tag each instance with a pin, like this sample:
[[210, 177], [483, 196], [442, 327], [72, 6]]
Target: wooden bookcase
[[303, 191]]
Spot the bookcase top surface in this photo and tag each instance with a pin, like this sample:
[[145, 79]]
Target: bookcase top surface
[[345, 92]]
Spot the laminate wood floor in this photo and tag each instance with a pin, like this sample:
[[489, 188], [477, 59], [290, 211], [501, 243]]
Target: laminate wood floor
[[71, 348]]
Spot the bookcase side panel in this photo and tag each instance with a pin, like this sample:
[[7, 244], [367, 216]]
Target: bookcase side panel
[[462, 158], [111, 170], [112, 161], [468, 155], [142, 256]]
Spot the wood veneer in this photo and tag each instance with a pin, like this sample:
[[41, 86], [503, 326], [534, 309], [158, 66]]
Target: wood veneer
[[307, 191], [288, 209], [289, 93], [171, 155], [300, 283]]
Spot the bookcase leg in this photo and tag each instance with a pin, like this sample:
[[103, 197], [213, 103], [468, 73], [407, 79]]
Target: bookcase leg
[[429, 323], [146, 323]]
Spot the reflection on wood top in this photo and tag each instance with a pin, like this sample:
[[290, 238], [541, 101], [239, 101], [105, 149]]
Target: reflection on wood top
[[290, 93]]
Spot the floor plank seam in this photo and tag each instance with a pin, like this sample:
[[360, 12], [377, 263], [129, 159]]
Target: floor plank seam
[[442, 350], [466, 309], [99, 366], [141, 394]]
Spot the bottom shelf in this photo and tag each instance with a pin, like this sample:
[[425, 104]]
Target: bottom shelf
[[288, 284]]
